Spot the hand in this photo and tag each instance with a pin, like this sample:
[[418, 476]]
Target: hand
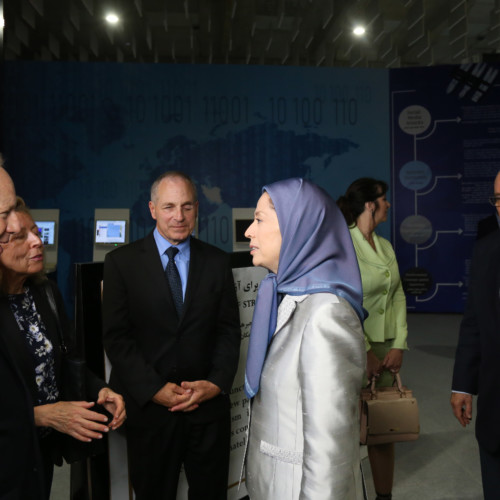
[[73, 418], [373, 365], [462, 407], [393, 360], [114, 403], [201, 390], [171, 395]]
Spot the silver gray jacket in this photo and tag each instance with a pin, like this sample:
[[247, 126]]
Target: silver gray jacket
[[304, 427]]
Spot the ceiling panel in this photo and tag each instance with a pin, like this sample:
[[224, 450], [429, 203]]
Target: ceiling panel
[[292, 32]]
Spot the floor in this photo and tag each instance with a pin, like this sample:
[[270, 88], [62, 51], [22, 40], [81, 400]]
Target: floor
[[443, 464]]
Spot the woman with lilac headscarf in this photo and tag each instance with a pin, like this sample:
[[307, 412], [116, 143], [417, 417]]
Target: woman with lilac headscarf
[[306, 354]]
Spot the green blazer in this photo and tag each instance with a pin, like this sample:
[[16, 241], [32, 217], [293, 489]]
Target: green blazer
[[383, 295]]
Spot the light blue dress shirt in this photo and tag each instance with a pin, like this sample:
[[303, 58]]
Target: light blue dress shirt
[[181, 259]]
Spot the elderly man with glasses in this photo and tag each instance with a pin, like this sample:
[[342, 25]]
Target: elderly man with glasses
[[492, 222], [478, 352]]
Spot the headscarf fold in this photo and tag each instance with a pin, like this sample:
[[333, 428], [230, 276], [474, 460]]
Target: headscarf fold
[[316, 255]]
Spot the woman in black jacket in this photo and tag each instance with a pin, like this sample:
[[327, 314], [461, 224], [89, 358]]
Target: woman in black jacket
[[31, 332]]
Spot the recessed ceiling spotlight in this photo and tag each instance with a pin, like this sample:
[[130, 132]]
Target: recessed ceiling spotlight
[[112, 18], [359, 31]]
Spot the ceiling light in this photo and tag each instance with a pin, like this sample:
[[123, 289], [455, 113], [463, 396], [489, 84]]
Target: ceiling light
[[359, 31], [112, 18]]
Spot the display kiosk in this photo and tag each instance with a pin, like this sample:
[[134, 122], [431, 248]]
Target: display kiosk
[[111, 230], [242, 218], [47, 221]]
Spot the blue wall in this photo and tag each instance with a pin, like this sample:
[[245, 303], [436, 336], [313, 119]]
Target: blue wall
[[445, 126], [80, 136]]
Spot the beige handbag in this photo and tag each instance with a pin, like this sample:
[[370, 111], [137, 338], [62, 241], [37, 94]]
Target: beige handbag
[[388, 414]]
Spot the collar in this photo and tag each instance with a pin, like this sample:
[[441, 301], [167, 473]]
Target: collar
[[358, 236], [163, 244], [365, 253], [286, 309]]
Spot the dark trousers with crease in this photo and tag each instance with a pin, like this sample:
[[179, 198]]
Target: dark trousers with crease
[[47, 464], [490, 474], [156, 456]]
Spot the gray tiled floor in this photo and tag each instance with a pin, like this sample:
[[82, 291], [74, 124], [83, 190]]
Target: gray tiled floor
[[60, 484], [443, 464]]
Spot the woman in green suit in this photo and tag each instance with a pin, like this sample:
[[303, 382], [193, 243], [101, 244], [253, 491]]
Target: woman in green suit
[[364, 206]]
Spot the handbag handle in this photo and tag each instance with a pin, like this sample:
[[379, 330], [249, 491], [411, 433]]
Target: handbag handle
[[396, 381]]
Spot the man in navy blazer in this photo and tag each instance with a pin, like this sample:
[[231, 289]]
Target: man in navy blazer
[[174, 369], [476, 360]]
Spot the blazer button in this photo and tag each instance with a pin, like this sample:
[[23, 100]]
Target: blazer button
[[387, 274], [385, 292], [381, 311]]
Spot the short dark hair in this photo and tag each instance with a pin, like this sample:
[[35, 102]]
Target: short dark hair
[[173, 174], [352, 203]]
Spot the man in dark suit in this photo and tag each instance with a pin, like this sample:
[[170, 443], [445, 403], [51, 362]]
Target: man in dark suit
[[174, 352], [476, 360], [492, 222], [21, 475]]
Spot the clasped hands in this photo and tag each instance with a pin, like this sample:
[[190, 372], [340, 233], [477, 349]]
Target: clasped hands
[[185, 397], [77, 419]]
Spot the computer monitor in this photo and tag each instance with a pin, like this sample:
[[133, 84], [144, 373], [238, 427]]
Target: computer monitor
[[240, 227], [242, 218], [110, 231], [47, 231]]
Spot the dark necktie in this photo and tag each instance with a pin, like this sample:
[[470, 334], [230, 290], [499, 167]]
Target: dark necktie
[[174, 279]]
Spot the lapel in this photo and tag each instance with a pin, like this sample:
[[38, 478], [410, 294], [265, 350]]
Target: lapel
[[496, 258], [16, 346], [365, 253], [152, 271], [51, 329], [286, 310], [196, 264]]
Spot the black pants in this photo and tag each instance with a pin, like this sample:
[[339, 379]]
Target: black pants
[[46, 445], [490, 474], [156, 456]]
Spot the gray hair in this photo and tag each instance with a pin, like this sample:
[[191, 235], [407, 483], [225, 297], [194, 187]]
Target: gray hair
[[172, 174], [36, 278]]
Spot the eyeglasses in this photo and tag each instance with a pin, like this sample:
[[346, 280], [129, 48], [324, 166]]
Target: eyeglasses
[[495, 200]]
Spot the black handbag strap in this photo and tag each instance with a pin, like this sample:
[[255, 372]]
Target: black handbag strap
[[53, 307]]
